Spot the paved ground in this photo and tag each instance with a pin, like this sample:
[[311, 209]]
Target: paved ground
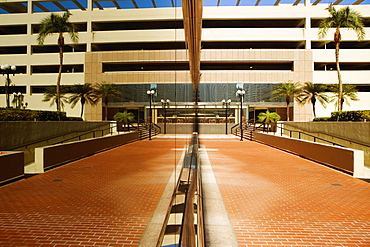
[[272, 198], [102, 200], [277, 199]]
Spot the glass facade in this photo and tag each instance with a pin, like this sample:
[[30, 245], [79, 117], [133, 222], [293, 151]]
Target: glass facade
[[208, 92]]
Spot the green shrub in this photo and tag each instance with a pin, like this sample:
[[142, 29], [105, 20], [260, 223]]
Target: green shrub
[[322, 119], [74, 119], [353, 116], [11, 114]]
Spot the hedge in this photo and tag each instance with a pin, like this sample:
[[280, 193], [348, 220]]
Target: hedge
[[349, 116], [11, 114]]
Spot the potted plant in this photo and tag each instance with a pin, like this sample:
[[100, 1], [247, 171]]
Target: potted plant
[[123, 119], [270, 118]]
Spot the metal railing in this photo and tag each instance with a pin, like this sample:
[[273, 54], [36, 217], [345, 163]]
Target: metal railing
[[301, 134], [78, 137], [187, 202], [314, 138]]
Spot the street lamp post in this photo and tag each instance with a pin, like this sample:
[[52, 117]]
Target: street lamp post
[[164, 104], [226, 104], [18, 98], [150, 93], [241, 93], [7, 69]]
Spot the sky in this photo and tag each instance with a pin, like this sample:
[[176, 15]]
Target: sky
[[127, 4]]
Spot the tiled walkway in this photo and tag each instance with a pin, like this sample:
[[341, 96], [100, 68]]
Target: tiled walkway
[[273, 198], [277, 199], [103, 200]]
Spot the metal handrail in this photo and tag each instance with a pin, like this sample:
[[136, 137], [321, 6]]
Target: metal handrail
[[188, 236], [47, 139], [188, 186], [300, 133], [79, 137]]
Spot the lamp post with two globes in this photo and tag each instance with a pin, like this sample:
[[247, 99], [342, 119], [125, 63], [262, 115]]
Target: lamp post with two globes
[[226, 103], [7, 69], [150, 93], [240, 93], [164, 104]]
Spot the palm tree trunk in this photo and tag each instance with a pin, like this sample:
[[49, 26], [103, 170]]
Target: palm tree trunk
[[106, 108], [313, 101], [287, 108], [337, 38], [60, 44], [82, 105], [82, 109]]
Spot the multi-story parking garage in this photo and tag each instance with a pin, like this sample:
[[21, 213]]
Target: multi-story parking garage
[[140, 44]]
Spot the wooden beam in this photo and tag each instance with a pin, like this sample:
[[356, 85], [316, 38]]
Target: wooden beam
[[41, 7], [79, 5], [59, 6], [337, 2], [98, 5], [135, 4], [277, 3], [357, 2], [117, 5]]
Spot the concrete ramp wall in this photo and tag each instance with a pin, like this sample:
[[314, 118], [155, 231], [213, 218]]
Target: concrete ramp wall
[[50, 156], [345, 159]]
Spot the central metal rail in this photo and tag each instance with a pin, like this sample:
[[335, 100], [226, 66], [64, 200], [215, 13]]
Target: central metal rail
[[183, 225]]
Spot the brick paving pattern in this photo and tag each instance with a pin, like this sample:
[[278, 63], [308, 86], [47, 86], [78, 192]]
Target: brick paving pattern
[[274, 198], [103, 200]]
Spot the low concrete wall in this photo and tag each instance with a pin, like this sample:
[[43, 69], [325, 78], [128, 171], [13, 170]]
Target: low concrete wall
[[204, 128], [50, 156], [345, 159], [355, 135], [355, 131], [11, 166], [15, 134]]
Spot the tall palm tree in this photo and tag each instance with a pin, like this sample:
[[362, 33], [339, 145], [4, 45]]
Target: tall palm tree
[[56, 24], [343, 18], [104, 91], [51, 95], [289, 90], [83, 93], [313, 92], [349, 92]]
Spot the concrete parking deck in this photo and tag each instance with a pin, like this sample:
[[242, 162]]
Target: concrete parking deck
[[272, 198]]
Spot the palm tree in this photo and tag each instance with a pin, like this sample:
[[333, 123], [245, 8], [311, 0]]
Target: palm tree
[[268, 117], [56, 24], [104, 91], [51, 95], [313, 92], [289, 90], [83, 93], [343, 18], [349, 93]]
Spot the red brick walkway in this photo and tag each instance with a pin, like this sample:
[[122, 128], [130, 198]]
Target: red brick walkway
[[103, 200], [277, 199]]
